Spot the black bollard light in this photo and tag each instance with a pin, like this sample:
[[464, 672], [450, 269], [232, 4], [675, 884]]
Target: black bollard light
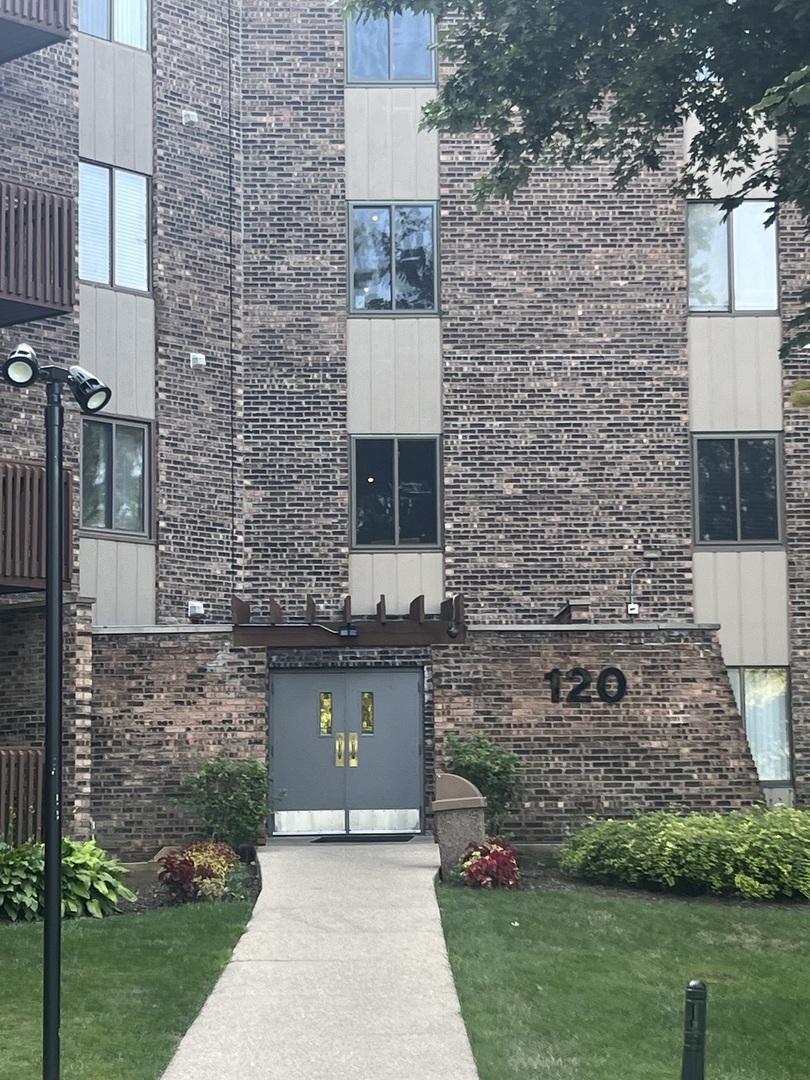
[[694, 1032]]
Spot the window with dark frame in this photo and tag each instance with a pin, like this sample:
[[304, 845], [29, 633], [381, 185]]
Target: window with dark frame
[[763, 699], [113, 481], [125, 22], [396, 492], [737, 481], [113, 227], [393, 48], [393, 258], [733, 260]]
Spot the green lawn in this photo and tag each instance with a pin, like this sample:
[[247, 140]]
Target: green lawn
[[578, 986], [131, 985]]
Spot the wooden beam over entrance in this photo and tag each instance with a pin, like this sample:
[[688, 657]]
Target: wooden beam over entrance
[[366, 632]]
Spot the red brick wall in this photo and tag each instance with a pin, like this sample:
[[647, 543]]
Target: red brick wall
[[163, 704], [565, 392], [295, 265], [674, 741], [795, 266]]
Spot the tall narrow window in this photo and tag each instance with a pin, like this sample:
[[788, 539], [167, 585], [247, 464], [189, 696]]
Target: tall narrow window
[[396, 492], [114, 476], [732, 261], [392, 264], [762, 698], [737, 489], [113, 227], [123, 21], [393, 48]]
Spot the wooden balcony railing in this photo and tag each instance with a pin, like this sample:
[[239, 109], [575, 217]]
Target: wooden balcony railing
[[22, 526], [36, 253], [21, 783], [28, 25]]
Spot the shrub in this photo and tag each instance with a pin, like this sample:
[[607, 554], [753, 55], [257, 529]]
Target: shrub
[[91, 881], [493, 864], [496, 772], [230, 798], [198, 872], [759, 855]]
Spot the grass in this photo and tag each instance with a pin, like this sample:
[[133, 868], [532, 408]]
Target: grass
[[131, 985], [579, 986]]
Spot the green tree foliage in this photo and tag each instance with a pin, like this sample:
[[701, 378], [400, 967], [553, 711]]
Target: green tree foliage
[[572, 81]]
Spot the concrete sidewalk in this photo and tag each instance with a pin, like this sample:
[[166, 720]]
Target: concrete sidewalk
[[342, 974]]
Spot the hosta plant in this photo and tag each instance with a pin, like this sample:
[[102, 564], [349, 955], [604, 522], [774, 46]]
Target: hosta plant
[[92, 882], [493, 864]]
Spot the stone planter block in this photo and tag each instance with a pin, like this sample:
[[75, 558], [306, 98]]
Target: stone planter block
[[458, 819]]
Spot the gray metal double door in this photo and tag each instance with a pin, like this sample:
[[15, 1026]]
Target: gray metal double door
[[346, 752]]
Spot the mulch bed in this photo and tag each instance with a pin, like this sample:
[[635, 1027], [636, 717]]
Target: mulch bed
[[151, 894]]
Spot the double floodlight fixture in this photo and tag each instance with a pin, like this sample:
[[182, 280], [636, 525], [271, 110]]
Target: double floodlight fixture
[[21, 368]]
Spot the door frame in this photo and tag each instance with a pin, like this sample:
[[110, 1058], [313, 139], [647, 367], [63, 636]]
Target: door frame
[[327, 672]]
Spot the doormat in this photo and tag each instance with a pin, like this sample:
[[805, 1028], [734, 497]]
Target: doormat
[[364, 838]]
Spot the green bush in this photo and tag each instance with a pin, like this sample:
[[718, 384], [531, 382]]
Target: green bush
[[198, 872], [91, 881], [759, 855], [496, 772], [230, 798]]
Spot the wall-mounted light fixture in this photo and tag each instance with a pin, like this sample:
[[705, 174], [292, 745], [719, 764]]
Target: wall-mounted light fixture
[[349, 630]]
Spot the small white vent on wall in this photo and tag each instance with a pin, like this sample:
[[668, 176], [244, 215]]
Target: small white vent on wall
[[190, 118], [196, 359]]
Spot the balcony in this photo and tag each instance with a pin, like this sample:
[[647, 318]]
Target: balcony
[[36, 253], [29, 25], [22, 527]]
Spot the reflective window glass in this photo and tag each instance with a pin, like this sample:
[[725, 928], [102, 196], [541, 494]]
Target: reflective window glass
[[123, 21], [113, 476], [94, 223], [395, 48], [393, 273], [763, 700], [755, 261], [371, 268], [396, 492], [737, 481], [732, 260], [708, 258], [130, 240]]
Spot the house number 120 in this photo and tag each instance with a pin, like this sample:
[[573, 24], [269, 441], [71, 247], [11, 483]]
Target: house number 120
[[611, 685]]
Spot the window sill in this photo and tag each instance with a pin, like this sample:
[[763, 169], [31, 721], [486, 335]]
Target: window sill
[[116, 535], [772, 313], [739, 545], [376, 313]]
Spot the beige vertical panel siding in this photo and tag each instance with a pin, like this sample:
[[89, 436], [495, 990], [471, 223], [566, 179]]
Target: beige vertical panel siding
[[735, 374], [719, 188], [399, 576], [387, 156], [121, 576], [746, 593], [117, 343], [394, 376], [115, 104]]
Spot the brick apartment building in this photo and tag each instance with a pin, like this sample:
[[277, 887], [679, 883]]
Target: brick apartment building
[[334, 377]]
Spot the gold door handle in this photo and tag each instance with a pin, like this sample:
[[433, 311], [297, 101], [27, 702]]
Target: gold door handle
[[340, 747], [354, 746]]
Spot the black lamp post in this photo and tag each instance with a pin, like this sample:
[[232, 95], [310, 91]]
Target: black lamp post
[[21, 369]]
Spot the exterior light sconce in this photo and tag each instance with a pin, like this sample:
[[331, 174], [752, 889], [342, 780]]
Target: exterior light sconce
[[348, 631], [21, 368]]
